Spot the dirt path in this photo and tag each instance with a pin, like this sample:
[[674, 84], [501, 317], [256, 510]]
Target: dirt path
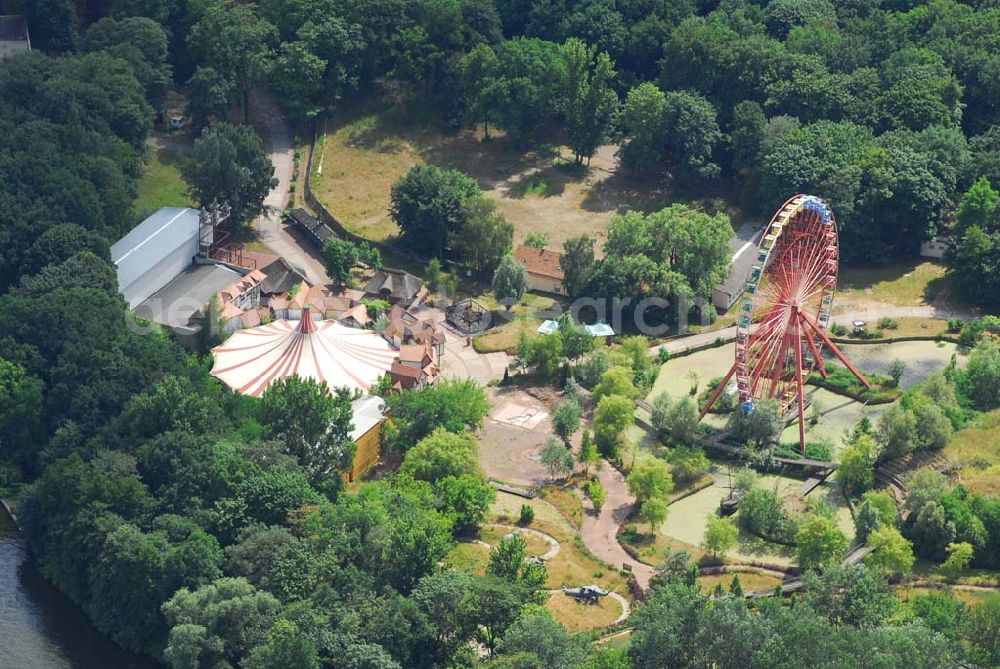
[[269, 225], [600, 532], [552, 542]]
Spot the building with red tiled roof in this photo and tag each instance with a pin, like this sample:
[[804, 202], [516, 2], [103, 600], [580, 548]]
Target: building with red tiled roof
[[544, 268]]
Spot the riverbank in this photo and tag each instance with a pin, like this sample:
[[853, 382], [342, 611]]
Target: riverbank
[[39, 627]]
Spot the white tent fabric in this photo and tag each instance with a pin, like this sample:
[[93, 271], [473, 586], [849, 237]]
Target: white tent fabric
[[252, 359]]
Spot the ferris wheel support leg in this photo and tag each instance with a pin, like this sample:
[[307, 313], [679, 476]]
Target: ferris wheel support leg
[[718, 391], [817, 356], [836, 351], [779, 368], [801, 394]]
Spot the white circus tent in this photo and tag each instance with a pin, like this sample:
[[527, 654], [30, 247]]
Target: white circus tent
[[252, 359]]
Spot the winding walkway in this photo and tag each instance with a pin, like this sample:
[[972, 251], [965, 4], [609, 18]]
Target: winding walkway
[[547, 538], [600, 531], [624, 603]]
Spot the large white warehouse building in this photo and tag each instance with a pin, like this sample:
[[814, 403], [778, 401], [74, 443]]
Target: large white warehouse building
[[155, 252]]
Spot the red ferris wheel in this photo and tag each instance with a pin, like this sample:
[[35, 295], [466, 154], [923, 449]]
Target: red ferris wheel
[[785, 309]]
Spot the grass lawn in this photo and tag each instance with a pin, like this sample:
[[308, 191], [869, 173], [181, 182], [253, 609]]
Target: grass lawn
[[161, 184], [524, 317], [910, 283], [976, 449], [579, 616], [574, 565]]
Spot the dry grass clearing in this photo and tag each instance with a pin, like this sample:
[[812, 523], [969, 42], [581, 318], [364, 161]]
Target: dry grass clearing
[[579, 616], [969, 597], [367, 146], [749, 581], [535, 545], [976, 449], [910, 283]]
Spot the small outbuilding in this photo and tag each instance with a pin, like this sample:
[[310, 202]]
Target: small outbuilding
[[544, 267]]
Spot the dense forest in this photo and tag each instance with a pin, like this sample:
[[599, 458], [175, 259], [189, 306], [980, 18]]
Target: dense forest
[[210, 530]]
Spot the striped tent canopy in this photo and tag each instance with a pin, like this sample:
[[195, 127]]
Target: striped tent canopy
[[252, 359]]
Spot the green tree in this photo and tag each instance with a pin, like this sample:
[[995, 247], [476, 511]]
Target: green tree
[[576, 339], [21, 426], [896, 370], [538, 634], [959, 556], [221, 621], [820, 542], [642, 117], [720, 535], [208, 96], [313, 422], [510, 282], [616, 381], [893, 553], [442, 454], [486, 236], [934, 428], [587, 98], [653, 511], [53, 25], [543, 355], [614, 413], [428, 205], [230, 167], [231, 39], [896, 433], [465, 501], [296, 74], [650, 479], [588, 452], [508, 561], [597, 493], [866, 521], [983, 631], [759, 426], [141, 42], [481, 82], [566, 420], [682, 421], [339, 257], [978, 207], [453, 405], [857, 465], [577, 261], [285, 647], [983, 375], [536, 240], [556, 458], [747, 136]]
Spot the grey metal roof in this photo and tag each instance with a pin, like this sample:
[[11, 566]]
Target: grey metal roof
[[744, 253], [164, 231], [187, 293]]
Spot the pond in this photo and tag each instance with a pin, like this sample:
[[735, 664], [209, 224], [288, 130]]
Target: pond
[[838, 413], [39, 627]]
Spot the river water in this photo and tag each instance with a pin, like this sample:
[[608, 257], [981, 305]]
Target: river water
[[39, 627]]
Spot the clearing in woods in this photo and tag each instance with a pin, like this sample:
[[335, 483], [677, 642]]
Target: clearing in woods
[[368, 146]]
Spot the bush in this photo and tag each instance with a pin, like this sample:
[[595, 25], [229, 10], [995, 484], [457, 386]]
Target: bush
[[955, 325], [597, 494], [527, 515], [821, 450], [838, 330], [886, 323]]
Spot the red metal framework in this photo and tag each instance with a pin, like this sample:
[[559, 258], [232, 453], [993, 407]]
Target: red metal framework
[[785, 309]]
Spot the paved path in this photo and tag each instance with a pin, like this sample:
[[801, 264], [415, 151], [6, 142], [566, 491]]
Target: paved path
[[870, 315], [600, 532], [547, 538], [269, 225]]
